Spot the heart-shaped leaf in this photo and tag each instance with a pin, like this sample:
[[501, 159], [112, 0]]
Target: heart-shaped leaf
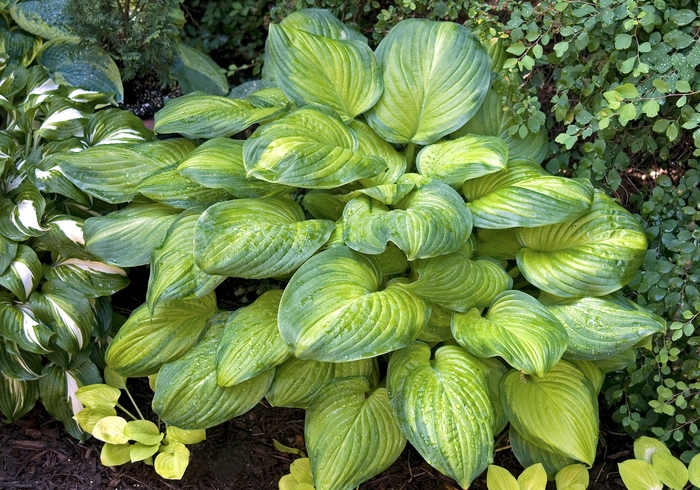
[[574, 474], [43, 18], [501, 479], [171, 465], [670, 470], [115, 454], [111, 430], [143, 431], [99, 394], [370, 143]]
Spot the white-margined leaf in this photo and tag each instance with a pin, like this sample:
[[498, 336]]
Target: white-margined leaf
[[150, 339], [17, 397], [43, 18], [167, 186], [18, 323], [48, 177], [370, 143], [8, 251], [469, 157], [62, 124], [528, 454], [432, 220], [90, 277], [443, 408], [334, 310], [18, 363], [309, 148], [24, 274], [351, 433], [447, 81], [65, 237], [557, 413], [257, 238], [21, 47], [197, 71], [20, 217], [517, 328], [593, 255], [115, 126]]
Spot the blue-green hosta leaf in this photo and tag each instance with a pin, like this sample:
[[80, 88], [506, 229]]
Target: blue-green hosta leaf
[[322, 23], [115, 126], [370, 143], [528, 454], [495, 373], [351, 433], [602, 327], [8, 251], [517, 328], [430, 221], [186, 393], [251, 342], [90, 277], [333, 309], [48, 178], [297, 381], [308, 148], [43, 18], [197, 71], [20, 46], [20, 218], [18, 363], [149, 340], [174, 274], [125, 238], [257, 238], [71, 62], [17, 397], [323, 204], [492, 120], [618, 362], [448, 79], [438, 327], [593, 255], [313, 69], [24, 274], [218, 164], [556, 413], [443, 408], [524, 195], [167, 186], [469, 157], [200, 115], [456, 282], [500, 244]]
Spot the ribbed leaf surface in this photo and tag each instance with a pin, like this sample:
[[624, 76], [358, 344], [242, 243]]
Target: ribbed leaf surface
[[17, 397], [18, 323], [115, 126], [167, 186], [92, 278], [370, 143], [24, 274]]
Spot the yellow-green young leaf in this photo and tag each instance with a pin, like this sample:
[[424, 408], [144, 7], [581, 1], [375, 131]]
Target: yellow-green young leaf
[[93, 395], [115, 454], [351, 433], [533, 478], [447, 82], [694, 470], [556, 412], [113, 379], [257, 238], [143, 431], [111, 430], [197, 71], [639, 475], [88, 417], [186, 436], [593, 255], [496, 370], [574, 474], [299, 477], [333, 309], [139, 451], [172, 465], [528, 454], [645, 447], [498, 478], [424, 394], [370, 143], [17, 397], [593, 374], [670, 470]]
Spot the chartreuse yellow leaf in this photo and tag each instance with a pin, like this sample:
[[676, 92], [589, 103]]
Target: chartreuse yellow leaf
[[670, 470], [645, 447], [172, 463], [88, 417], [533, 478], [143, 431], [185, 436], [115, 454], [496, 370], [111, 430], [139, 451], [528, 454], [299, 477], [498, 478], [639, 475], [574, 474], [92, 395], [694, 470]]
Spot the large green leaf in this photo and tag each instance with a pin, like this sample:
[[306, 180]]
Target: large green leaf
[[557, 412], [603, 327], [167, 186], [313, 69], [18, 363], [24, 274], [370, 143], [351, 433], [500, 244], [517, 328], [197, 71], [115, 126], [322, 23], [257, 238], [308, 148], [149, 340], [18, 323], [430, 221], [17, 397], [525, 195], [334, 310], [528, 454], [125, 238], [593, 255], [43, 18], [186, 393], [436, 75], [251, 342], [71, 62], [65, 237], [443, 408], [19, 45], [496, 371]]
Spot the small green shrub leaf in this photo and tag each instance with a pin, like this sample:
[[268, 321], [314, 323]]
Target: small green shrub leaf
[[639, 475]]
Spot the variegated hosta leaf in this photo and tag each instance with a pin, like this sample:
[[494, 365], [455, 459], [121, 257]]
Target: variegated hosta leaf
[[388, 194], [167, 186], [297, 381], [90, 277], [370, 143], [469, 157], [257, 238], [592, 373], [19, 324], [345, 77], [24, 274], [17, 397], [65, 237], [308, 148], [525, 195], [20, 218], [430, 221], [517, 328], [125, 238], [492, 120], [500, 244], [8, 251], [266, 96], [425, 395], [445, 86], [456, 282], [150, 339], [200, 115], [333, 309], [323, 205], [218, 163], [43, 18], [322, 23], [438, 326], [593, 255], [115, 126], [187, 395], [556, 413], [603, 327], [62, 124], [528, 454], [17, 363], [351, 433], [251, 342], [57, 388], [496, 371], [49, 178], [197, 71], [169, 151], [174, 275], [20, 46]]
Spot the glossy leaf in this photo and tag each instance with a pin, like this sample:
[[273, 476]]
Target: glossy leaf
[[575, 474], [185, 436], [322, 23], [17, 363], [498, 478], [528, 454], [143, 431], [17, 397], [172, 465], [370, 143], [24, 274], [88, 417], [114, 126], [167, 186], [92, 278], [496, 370], [197, 71], [43, 18], [694, 471]]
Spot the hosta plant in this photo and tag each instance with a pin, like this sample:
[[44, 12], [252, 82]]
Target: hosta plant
[[439, 283], [572, 477], [654, 467]]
